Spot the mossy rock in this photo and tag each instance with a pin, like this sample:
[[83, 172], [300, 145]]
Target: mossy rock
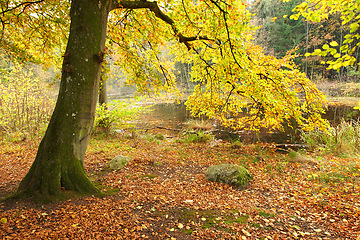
[[231, 174], [119, 162]]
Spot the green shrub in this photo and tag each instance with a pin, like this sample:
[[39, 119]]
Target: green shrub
[[119, 114]]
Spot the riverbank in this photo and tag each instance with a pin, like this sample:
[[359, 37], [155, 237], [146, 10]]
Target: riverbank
[[347, 94]]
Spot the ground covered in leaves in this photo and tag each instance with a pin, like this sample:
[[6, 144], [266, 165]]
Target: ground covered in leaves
[[162, 193]]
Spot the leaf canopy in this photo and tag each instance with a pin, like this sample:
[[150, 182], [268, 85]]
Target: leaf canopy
[[233, 75]]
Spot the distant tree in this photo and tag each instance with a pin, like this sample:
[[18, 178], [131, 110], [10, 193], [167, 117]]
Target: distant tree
[[345, 50], [319, 34], [276, 34]]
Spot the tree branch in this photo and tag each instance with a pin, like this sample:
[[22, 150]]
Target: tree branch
[[154, 7], [25, 4]]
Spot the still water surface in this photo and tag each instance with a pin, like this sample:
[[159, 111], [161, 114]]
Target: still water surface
[[173, 115]]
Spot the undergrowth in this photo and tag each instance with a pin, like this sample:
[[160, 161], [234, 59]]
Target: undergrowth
[[119, 114], [196, 137], [25, 105], [342, 140]]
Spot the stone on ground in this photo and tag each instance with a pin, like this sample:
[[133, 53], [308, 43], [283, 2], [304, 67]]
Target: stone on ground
[[119, 162], [228, 173]]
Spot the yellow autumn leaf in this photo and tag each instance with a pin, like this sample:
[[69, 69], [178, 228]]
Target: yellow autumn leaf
[[358, 106], [334, 44]]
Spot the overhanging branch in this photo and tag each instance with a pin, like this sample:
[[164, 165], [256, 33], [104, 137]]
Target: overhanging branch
[[23, 4], [154, 7]]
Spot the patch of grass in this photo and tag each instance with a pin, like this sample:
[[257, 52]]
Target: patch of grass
[[255, 160], [183, 155], [207, 225], [329, 177], [266, 214], [341, 140], [293, 155], [159, 136], [150, 176], [158, 163], [280, 167], [106, 190], [269, 168], [212, 218], [349, 89], [238, 219], [119, 114], [236, 144], [196, 137], [188, 231], [152, 138], [257, 225], [109, 143], [337, 171]]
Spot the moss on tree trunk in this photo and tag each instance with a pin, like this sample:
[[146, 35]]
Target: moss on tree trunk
[[59, 161]]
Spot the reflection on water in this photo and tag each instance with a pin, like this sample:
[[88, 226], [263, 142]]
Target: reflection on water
[[174, 115], [336, 113]]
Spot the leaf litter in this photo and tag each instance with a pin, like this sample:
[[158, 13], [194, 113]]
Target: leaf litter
[[162, 194]]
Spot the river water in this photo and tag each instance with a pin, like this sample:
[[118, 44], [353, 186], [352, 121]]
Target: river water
[[175, 116]]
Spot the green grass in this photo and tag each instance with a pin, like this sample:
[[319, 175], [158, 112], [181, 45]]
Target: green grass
[[212, 218], [150, 176], [337, 171], [342, 140], [266, 214], [196, 137]]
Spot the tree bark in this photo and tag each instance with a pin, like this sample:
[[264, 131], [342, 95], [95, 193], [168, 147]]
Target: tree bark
[[59, 161]]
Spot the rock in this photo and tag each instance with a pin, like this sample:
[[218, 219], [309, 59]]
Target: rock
[[119, 162], [228, 173]]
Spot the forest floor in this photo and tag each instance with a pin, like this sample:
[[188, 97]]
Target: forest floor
[[162, 193]]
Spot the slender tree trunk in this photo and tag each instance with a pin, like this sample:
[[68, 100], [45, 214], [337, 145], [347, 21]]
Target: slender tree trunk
[[103, 92], [306, 48], [103, 123], [59, 161], [341, 70], [103, 83]]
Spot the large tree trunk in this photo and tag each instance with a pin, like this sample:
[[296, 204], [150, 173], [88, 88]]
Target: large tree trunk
[[59, 161]]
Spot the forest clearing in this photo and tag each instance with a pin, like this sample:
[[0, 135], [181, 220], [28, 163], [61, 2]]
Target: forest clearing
[[162, 193]]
